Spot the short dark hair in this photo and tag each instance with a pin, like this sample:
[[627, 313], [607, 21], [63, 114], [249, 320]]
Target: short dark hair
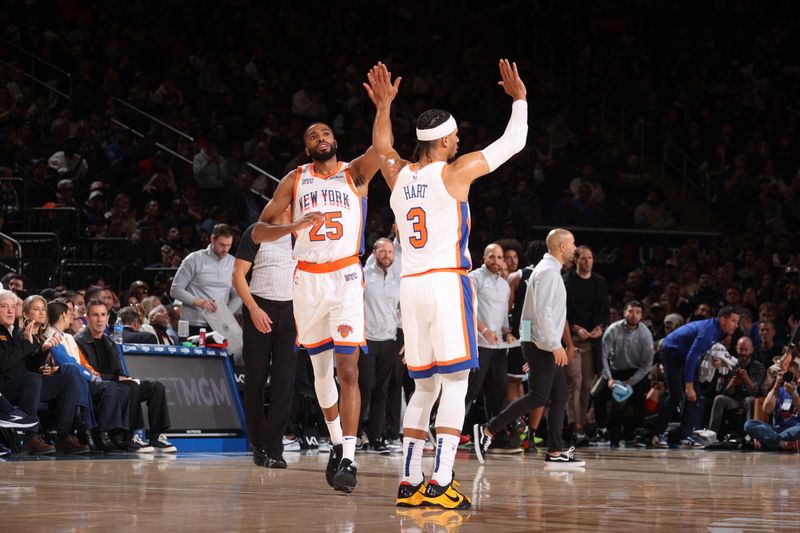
[[729, 310], [95, 302], [55, 309], [222, 230], [92, 293], [128, 315], [633, 303]]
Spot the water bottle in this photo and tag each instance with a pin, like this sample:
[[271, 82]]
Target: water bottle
[[117, 334], [202, 336]]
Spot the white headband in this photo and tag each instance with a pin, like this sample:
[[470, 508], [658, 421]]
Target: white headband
[[442, 130]]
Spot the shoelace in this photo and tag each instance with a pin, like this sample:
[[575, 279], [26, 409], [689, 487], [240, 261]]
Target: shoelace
[[570, 452]]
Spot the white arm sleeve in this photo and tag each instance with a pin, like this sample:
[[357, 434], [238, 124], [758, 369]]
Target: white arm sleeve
[[513, 139]]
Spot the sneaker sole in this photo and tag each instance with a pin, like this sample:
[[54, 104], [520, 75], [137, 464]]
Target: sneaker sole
[[17, 425], [344, 483]]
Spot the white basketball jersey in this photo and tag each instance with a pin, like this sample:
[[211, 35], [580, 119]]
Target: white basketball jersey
[[433, 226], [341, 233]]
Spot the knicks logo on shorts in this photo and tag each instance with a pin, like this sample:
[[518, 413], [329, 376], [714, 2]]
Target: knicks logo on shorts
[[344, 330], [352, 276]]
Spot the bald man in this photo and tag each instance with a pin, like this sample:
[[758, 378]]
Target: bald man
[[492, 292], [543, 328]]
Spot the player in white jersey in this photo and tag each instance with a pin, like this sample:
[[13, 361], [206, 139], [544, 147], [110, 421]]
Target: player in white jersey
[[437, 301], [328, 199]]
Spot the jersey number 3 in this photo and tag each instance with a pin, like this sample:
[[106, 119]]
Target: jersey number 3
[[416, 216], [334, 229]]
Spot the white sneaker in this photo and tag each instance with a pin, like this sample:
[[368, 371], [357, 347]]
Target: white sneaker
[[161, 445], [143, 446], [291, 445]]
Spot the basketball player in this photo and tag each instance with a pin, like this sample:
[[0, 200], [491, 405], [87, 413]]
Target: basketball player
[[328, 199], [437, 300]]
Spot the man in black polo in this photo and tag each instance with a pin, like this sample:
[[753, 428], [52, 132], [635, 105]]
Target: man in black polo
[[101, 352]]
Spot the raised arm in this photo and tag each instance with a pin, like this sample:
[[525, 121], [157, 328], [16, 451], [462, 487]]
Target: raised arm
[[382, 92], [473, 165], [265, 230]]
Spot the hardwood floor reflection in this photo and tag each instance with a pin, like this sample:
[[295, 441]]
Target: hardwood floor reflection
[[625, 490]]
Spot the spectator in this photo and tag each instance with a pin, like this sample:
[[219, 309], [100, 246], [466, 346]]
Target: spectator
[[131, 324], [587, 315], [68, 163], [101, 352], [653, 212], [203, 280], [19, 350], [243, 201], [159, 321], [105, 395], [627, 349], [783, 403], [767, 349], [210, 170], [39, 190], [741, 387]]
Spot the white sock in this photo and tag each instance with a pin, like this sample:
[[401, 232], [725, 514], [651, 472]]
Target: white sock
[[446, 447], [349, 447], [412, 460], [335, 430]]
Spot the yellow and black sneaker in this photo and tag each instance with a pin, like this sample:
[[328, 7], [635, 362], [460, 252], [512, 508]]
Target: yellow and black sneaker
[[447, 497], [409, 495]]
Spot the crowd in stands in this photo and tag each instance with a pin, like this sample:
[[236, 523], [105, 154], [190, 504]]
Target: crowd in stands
[[237, 84]]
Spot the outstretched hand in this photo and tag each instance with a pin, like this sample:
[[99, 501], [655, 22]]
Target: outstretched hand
[[380, 88], [510, 80]]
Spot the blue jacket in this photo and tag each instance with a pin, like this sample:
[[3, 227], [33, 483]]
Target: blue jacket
[[690, 341]]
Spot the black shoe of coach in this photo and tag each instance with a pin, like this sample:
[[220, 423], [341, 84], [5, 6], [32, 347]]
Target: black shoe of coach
[[275, 462]]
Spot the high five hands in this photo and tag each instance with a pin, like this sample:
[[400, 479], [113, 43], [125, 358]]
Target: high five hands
[[380, 88], [510, 80]]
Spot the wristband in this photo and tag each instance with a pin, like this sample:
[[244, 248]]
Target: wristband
[[484, 330]]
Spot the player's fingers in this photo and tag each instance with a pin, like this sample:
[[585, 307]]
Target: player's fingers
[[397, 83]]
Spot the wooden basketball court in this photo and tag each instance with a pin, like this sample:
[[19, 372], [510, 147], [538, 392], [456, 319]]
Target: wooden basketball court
[[619, 490]]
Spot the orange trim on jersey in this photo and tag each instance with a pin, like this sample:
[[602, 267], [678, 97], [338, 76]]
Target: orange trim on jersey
[[350, 182], [326, 176], [317, 344], [360, 234], [439, 363], [333, 266], [459, 271], [294, 189]]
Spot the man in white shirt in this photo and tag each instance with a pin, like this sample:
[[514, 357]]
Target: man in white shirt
[[542, 329], [375, 366], [492, 292]]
